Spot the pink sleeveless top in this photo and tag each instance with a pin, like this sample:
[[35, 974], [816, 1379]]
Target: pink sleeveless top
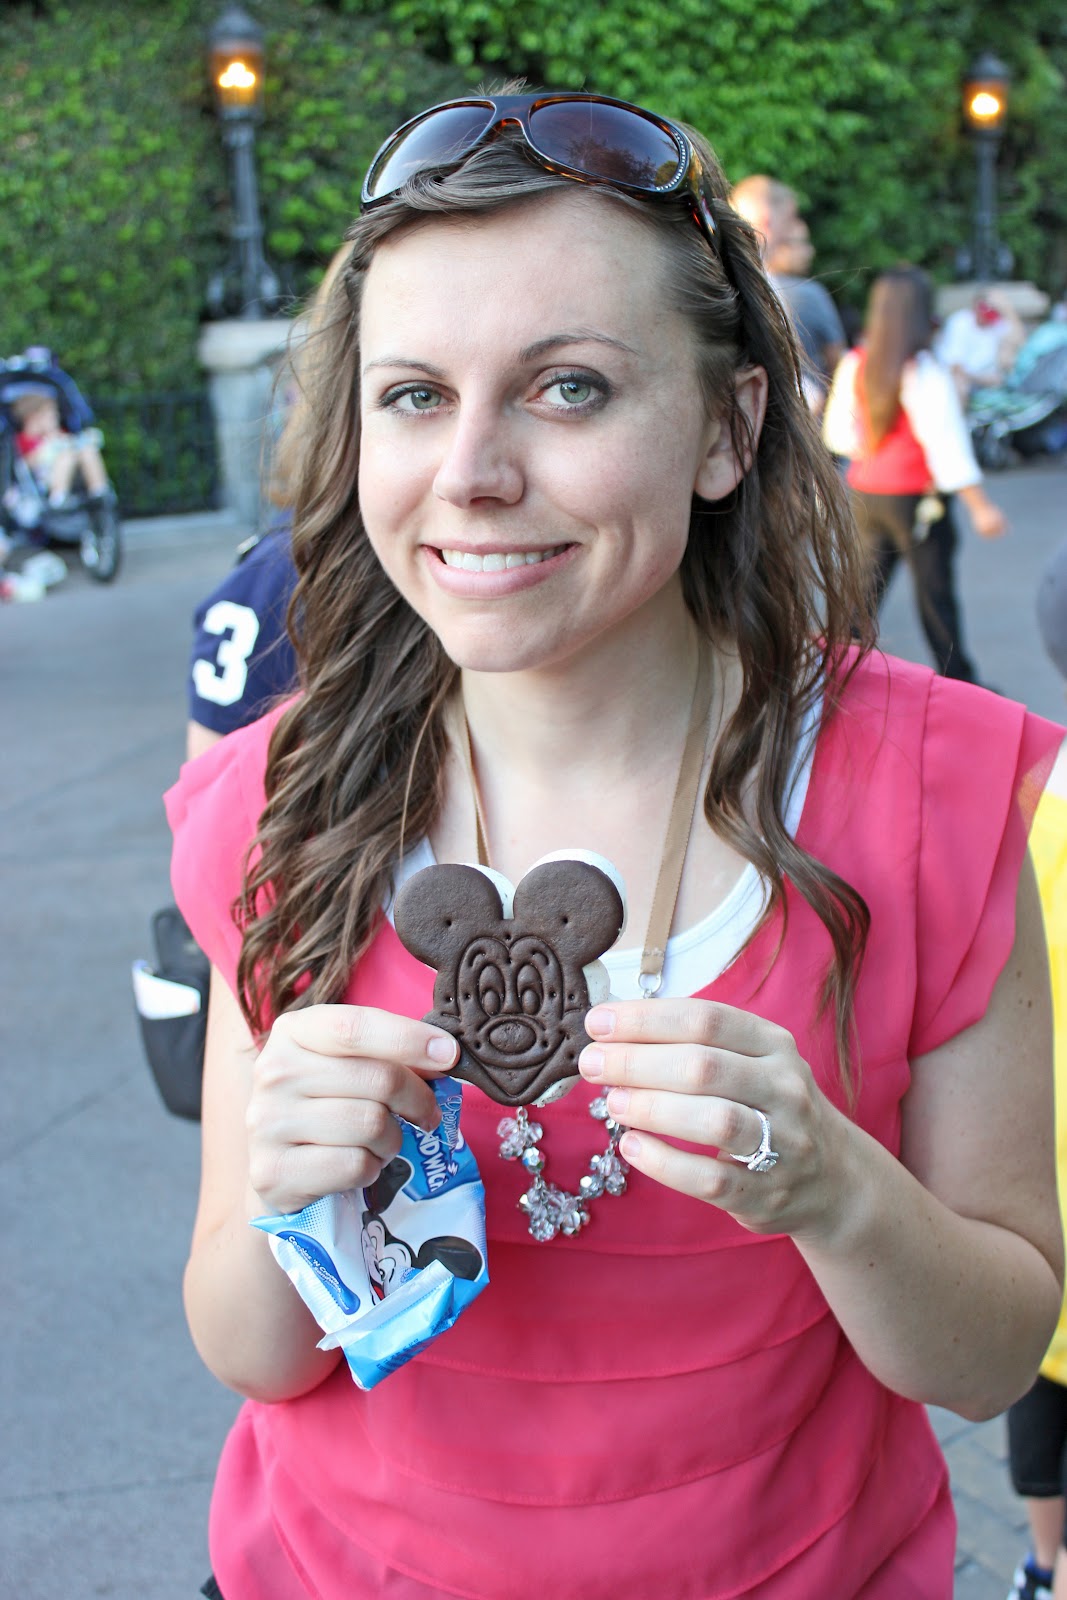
[[663, 1406]]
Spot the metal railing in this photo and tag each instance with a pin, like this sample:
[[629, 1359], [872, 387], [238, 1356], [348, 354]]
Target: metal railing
[[160, 451]]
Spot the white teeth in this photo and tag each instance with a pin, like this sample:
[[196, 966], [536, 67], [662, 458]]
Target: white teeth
[[467, 561]]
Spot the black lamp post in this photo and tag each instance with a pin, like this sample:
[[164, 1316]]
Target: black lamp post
[[985, 107], [248, 286]]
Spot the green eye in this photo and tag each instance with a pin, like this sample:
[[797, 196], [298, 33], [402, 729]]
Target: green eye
[[574, 391], [423, 399]]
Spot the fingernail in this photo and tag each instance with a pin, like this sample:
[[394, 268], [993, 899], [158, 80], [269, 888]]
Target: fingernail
[[600, 1021], [442, 1049], [630, 1146], [619, 1102], [591, 1062]]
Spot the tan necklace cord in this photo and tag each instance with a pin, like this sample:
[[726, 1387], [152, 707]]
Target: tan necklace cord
[[679, 825]]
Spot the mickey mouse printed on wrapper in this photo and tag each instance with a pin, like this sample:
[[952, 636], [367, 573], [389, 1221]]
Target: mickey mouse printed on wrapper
[[517, 968]]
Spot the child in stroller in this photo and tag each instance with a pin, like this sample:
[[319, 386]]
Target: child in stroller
[[1026, 415], [54, 487]]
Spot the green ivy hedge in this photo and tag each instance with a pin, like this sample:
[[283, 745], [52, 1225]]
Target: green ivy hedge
[[114, 195], [856, 103], [114, 190]]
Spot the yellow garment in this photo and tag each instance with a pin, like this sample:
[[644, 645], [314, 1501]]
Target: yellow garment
[[1048, 849]]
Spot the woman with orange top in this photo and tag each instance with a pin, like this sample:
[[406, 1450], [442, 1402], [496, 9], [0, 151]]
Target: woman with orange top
[[893, 413]]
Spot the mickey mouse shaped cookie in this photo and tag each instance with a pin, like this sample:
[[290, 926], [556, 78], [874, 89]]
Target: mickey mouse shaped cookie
[[517, 969]]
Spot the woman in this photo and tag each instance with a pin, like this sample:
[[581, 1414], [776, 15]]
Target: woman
[[563, 484], [1037, 1424], [894, 414]]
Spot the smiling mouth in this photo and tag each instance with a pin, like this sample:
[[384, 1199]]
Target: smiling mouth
[[497, 560]]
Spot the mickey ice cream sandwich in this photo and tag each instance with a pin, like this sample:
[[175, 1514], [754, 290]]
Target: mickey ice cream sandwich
[[517, 969]]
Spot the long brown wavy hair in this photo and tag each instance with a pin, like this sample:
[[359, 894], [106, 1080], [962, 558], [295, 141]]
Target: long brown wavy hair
[[899, 323], [355, 762]]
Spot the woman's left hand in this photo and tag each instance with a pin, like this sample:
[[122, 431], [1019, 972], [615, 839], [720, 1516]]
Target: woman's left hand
[[699, 1071]]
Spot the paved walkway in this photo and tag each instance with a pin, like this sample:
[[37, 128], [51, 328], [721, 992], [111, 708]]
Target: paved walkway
[[992, 1524], [111, 1427]]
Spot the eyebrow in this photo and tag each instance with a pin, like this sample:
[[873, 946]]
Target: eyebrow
[[414, 362], [530, 352], [542, 347]]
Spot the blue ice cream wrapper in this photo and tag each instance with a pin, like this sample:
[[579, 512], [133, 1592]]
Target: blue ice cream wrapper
[[386, 1269]]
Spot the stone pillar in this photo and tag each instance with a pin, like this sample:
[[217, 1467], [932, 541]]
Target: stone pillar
[[241, 360]]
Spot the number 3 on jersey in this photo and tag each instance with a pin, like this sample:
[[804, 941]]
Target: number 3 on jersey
[[223, 680]]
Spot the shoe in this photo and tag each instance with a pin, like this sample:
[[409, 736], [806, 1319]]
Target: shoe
[[1030, 1582], [24, 510], [45, 568], [16, 588]]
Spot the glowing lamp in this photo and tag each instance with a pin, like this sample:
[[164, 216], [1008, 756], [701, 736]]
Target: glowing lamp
[[985, 108], [235, 51], [248, 287], [985, 95]]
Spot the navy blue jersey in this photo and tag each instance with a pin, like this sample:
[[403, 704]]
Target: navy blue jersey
[[242, 659]]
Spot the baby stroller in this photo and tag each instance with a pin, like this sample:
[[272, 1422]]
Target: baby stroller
[[1028, 412], [86, 517]]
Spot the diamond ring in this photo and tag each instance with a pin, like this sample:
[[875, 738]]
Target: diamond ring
[[763, 1157]]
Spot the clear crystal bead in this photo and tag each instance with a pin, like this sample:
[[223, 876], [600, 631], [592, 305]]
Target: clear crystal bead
[[607, 1165], [516, 1134], [572, 1217], [550, 1210]]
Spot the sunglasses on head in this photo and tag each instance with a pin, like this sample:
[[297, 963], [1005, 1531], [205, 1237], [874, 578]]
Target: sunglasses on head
[[587, 137]]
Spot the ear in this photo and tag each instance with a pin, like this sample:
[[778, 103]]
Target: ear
[[720, 469], [438, 910], [462, 1258], [380, 1194], [573, 905]]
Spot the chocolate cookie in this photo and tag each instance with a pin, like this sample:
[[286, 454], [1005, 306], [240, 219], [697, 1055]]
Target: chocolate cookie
[[512, 970]]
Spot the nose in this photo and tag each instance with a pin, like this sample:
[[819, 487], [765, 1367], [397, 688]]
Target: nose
[[480, 461]]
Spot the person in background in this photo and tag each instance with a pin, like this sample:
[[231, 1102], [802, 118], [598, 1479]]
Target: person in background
[[54, 456], [1037, 1424], [770, 208], [242, 659], [893, 414], [979, 343]]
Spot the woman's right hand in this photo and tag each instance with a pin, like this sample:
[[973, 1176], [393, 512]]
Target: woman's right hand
[[327, 1089], [988, 519], [990, 522]]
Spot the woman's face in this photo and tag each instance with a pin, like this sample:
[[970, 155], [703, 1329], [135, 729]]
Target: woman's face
[[532, 429]]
